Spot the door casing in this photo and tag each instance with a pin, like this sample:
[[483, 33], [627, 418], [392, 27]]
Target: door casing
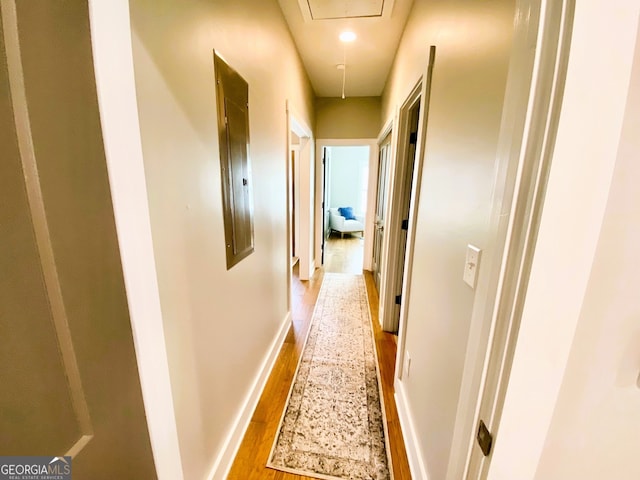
[[321, 143], [392, 237], [384, 156], [305, 177], [541, 45]]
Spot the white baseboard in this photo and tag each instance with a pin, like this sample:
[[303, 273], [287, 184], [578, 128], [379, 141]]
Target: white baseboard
[[411, 442], [230, 448]]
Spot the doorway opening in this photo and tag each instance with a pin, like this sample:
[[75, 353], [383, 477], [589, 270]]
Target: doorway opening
[[299, 168], [294, 197], [346, 187], [402, 197], [346, 178], [535, 89], [403, 193]]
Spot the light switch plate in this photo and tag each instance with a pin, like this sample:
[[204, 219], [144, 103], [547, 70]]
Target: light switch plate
[[472, 265]]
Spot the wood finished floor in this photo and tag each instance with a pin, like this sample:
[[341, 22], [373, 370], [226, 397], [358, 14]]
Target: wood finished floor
[[344, 255], [252, 456]]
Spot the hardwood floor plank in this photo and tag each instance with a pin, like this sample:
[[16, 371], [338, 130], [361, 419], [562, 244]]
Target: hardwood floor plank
[[344, 255], [252, 456], [386, 347]]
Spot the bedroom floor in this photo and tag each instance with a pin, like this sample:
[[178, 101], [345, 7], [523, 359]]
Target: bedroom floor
[[344, 255]]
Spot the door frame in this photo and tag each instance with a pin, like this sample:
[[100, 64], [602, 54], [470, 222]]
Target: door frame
[[573, 226], [116, 93], [527, 139], [372, 143], [399, 149], [404, 171], [386, 134], [326, 230], [293, 191], [306, 195]]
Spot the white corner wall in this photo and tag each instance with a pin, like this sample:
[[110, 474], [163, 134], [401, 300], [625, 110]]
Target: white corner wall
[[473, 41], [571, 409], [113, 64], [597, 416], [221, 327]]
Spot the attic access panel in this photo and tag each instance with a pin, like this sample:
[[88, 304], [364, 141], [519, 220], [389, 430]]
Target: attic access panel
[[334, 9], [232, 94]]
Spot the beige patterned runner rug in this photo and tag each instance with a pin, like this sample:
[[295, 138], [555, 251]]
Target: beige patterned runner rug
[[333, 426]]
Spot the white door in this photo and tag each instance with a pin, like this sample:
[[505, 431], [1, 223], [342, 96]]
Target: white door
[[530, 148], [70, 383], [378, 234], [595, 429]]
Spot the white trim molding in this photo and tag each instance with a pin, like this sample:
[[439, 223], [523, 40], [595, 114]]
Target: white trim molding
[[411, 441], [116, 90], [306, 253], [590, 126], [229, 450], [372, 143]]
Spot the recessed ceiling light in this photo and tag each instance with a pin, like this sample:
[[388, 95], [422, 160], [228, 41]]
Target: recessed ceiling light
[[347, 36]]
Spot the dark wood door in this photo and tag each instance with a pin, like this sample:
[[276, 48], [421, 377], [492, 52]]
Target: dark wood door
[[232, 93]]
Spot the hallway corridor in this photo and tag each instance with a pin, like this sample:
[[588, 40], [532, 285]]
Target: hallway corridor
[[163, 161], [251, 459]]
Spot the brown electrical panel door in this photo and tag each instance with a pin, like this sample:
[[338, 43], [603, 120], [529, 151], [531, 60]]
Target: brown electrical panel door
[[233, 129]]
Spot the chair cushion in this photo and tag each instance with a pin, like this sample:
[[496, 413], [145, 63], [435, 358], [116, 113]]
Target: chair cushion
[[347, 213], [352, 226]]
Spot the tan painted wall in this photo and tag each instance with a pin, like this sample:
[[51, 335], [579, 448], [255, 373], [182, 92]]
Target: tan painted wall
[[219, 324], [354, 117], [473, 42]]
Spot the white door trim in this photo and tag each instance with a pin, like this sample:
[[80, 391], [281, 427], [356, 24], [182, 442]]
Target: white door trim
[[576, 198], [307, 176], [399, 144], [391, 243], [371, 186], [525, 152], [116, 90]]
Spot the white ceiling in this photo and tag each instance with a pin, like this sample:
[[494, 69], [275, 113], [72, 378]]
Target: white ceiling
[[316, 25]]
